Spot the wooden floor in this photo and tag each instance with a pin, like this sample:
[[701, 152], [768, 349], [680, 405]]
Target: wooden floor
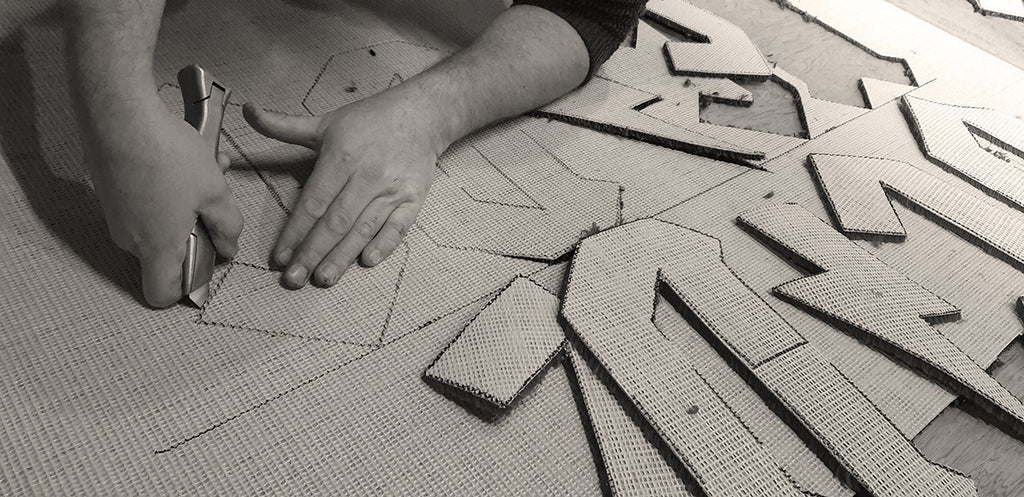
[[957, 438], [961, 441]]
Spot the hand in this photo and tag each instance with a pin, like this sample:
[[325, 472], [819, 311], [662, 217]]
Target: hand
[[375, 163], [154, 176]]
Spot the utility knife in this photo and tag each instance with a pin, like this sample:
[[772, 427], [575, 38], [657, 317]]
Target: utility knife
[[205, 101]]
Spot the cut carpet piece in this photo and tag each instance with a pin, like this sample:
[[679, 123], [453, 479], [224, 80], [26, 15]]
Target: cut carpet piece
[[427, 288], [856, 189], [566, 204], [932, 255], [877, 92], [607, 303], [797, 460], [654, 105], [504, 347], [615, 108], [880, 306], [722, 50], [982, 146], [633, 465], [644, 66]]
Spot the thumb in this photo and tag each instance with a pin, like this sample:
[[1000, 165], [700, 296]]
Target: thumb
[[297, 130]]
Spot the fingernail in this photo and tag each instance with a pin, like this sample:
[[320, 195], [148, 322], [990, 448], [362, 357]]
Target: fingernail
[[328, 274], [296, 276], [284, 257], [374, 256]]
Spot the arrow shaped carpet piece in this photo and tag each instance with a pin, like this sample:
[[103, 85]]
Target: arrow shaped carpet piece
[[982, 146], [879, 306], [856, 189], [723, 50]]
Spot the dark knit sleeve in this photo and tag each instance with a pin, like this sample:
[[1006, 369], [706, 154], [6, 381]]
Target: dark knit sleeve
[[602, 24]]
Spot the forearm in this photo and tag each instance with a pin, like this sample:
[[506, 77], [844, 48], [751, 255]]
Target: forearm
[[527, 57], [110, 58]]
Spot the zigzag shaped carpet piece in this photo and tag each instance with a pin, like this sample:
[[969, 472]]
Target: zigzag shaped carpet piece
[[982, 146], [645, 66], [632, 464], [504, 347], [856, 190], [615, 272], [883, 307], [723, 50]]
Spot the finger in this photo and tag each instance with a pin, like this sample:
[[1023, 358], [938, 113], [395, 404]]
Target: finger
[[161, 276], [297, 130], [341, 257], [319, 192], [223, 161], [223, 220], [341, 218], [391, 234]]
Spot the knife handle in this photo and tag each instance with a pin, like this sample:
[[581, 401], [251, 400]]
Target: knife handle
[[205, 101]]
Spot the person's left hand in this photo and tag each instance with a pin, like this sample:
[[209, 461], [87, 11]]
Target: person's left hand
[[375, 163]]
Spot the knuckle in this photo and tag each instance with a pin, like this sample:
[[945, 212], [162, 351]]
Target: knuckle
[[347, 156], [399, 227], [314, 206], [338, 223], [365, 229], [371, 176], [410, 191]]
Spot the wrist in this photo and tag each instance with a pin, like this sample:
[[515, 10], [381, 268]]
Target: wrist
[[439, 106], [119, 125]]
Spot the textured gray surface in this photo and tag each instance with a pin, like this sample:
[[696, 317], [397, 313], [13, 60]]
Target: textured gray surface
[[321, 391]]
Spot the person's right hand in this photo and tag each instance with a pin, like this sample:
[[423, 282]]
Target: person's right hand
[[154, 175]]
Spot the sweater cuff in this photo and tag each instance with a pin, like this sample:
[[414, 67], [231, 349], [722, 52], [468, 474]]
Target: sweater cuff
[[602, 32]]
